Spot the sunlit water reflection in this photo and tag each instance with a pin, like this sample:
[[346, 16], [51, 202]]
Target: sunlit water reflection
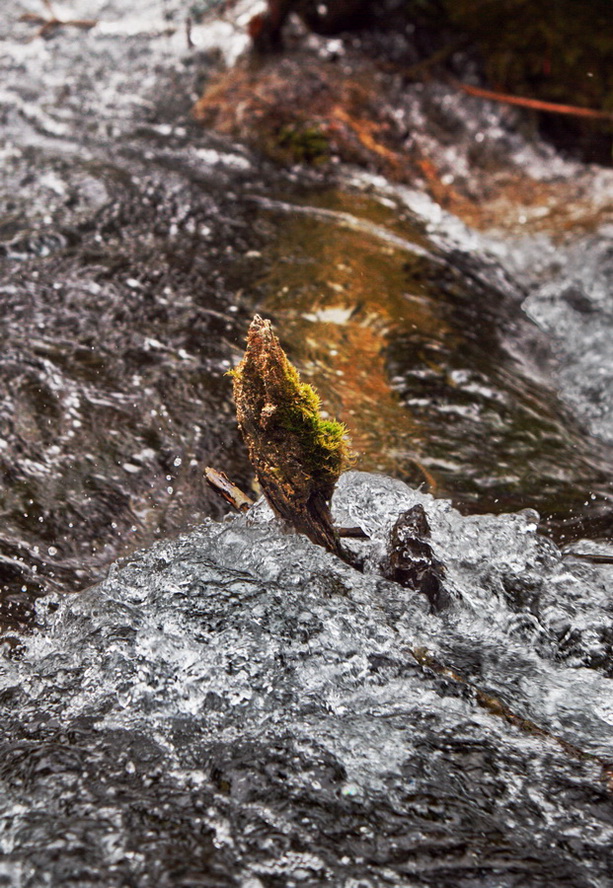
[[431, 361]]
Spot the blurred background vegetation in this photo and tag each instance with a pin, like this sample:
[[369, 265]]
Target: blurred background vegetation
[[557, 51]]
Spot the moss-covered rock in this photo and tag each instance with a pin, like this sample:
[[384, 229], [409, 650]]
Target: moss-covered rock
[[304, 143]]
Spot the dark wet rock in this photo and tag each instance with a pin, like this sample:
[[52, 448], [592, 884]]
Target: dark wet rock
[[411, 561], [265, 29]]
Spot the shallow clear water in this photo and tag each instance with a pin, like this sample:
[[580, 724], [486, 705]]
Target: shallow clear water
[[427, 354], [123, 247]]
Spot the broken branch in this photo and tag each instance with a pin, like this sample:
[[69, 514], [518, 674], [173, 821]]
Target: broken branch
[[298, 456]]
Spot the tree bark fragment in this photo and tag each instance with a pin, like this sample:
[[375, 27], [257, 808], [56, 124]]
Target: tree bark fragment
[[298, 456]]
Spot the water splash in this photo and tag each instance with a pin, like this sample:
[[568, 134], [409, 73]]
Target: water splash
[[241, 705]]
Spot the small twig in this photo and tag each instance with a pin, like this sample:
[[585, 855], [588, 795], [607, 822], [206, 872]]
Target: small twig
[[52, 22], [188, 32], [355, 533], [232, 494], [497, 707], [534, 104]]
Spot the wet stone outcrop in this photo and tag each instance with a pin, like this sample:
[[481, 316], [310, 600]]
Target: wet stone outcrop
[[411, 561], [240, 707]]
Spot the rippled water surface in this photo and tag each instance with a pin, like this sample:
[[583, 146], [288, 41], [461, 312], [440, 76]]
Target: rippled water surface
[[430, 358], [135, 246], [123, 250], [238, 707]]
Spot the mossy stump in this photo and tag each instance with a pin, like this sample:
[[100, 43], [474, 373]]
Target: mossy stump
[[298, 456]]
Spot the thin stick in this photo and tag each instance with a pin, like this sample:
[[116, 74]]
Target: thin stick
[[48, 25], [534, 104], [592, 557], [355, 533], [232, 494]]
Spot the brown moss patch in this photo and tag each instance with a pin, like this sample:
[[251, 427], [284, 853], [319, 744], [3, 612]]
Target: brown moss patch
[[296, 107], [301, 108]]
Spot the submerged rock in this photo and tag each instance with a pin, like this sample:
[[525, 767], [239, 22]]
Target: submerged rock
[[241, 707]]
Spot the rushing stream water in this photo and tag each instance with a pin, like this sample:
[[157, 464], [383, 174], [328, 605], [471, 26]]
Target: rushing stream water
[[135, 247], [240, 707], [237, 707]]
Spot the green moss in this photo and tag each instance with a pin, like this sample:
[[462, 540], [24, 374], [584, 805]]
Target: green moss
[[324, 442], [293, 406], [304, 143]]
